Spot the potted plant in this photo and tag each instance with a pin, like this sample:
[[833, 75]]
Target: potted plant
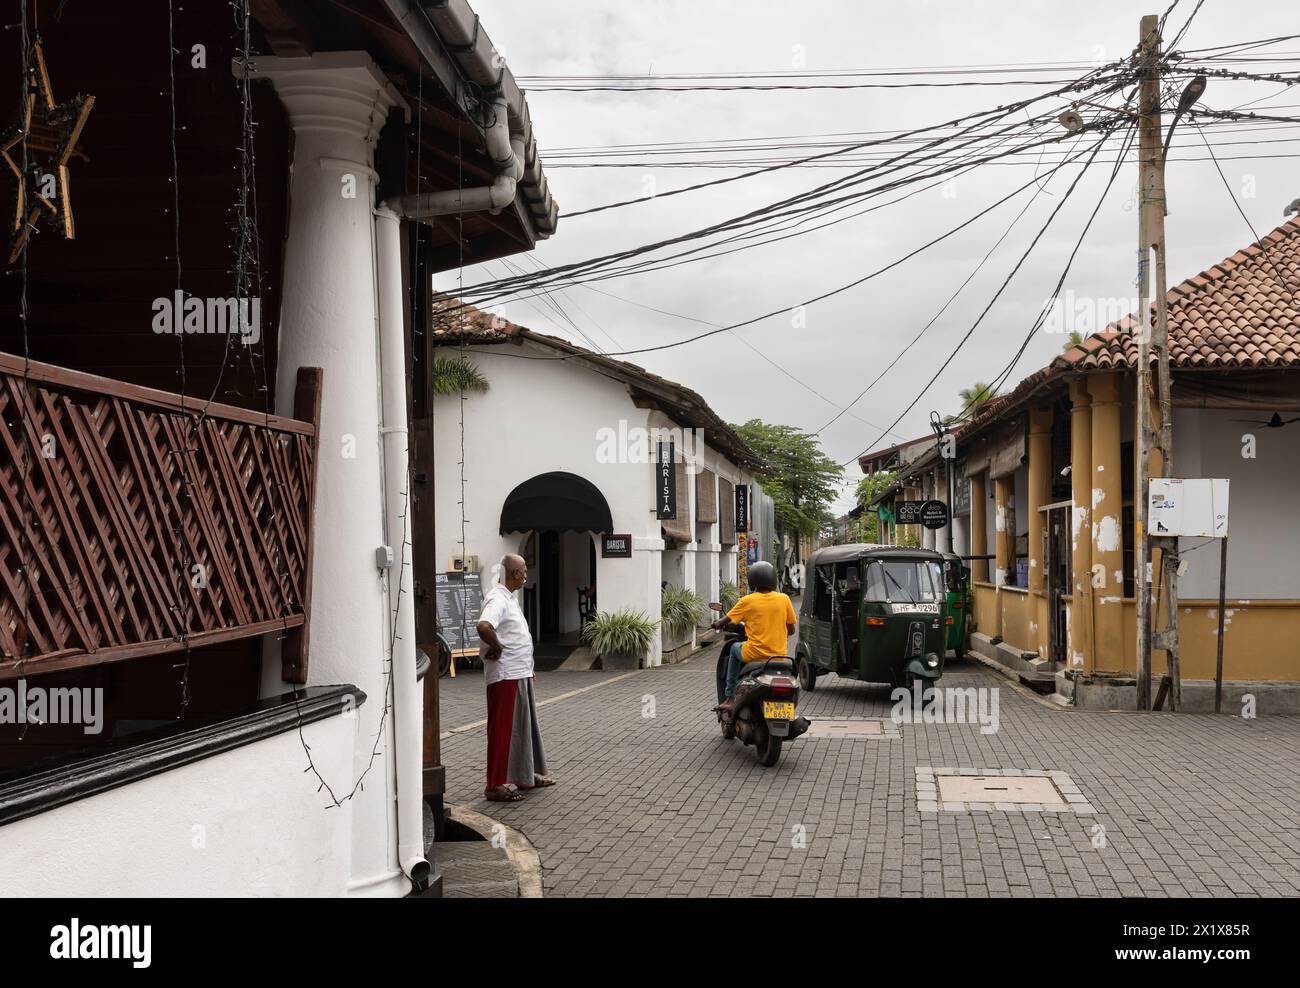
[[681, 610], [620, 638], [728, 595]]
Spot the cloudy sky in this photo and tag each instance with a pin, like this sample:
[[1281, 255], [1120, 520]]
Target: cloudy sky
[[821, 366]]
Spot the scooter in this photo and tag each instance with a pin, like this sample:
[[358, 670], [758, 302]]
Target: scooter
[[766, 697]]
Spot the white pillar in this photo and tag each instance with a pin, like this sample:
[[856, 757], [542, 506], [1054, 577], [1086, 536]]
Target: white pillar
[[942, 536], [927, 494], [337, 103]]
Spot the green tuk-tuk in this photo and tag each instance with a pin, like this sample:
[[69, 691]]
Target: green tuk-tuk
[[957, 580], [876, 613]]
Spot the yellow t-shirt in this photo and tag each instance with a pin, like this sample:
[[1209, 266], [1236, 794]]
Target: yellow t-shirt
[[766, 616]]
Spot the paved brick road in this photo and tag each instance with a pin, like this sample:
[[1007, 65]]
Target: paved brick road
[[1191, 804]]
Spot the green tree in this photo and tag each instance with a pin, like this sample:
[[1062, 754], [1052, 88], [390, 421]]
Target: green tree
[[868, 523], [800, 478], [971, 399]]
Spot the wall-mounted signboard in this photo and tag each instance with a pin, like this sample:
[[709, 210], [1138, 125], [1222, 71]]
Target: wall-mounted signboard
[[742, 507], [1195, 507], [665, 483], [934, 514], [616, 546], [908, 512]]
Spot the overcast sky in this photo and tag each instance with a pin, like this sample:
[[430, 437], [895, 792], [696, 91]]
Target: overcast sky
[[849, 338]]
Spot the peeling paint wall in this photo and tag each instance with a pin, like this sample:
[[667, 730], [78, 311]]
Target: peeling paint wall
[[1109, 538]]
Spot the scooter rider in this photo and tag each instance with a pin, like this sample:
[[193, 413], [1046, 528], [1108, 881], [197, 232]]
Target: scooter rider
[[769, 620]]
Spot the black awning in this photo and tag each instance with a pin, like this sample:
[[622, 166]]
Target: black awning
[[560, 501]]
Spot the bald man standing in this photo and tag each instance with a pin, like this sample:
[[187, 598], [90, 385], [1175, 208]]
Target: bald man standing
[[515, 752]]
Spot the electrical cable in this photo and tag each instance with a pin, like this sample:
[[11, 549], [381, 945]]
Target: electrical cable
[[1002, 288]]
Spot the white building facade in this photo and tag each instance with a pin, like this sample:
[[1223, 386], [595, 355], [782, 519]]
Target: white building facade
[[561, 451]]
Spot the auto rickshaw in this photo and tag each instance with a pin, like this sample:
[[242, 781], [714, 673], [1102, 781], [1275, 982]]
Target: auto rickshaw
[[957, 579], [876, 613]]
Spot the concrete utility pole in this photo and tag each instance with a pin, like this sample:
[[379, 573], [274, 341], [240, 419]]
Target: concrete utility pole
[[1151, 442]]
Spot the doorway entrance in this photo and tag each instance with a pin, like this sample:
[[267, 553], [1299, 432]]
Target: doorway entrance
[[560, 516], [548, 584], [1057, 557]]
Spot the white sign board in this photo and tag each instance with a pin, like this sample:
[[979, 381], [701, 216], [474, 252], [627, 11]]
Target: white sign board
[[1194, 507]]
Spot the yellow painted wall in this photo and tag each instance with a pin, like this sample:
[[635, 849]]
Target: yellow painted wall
[[1261, 638], [985, 608], [1017, 617]]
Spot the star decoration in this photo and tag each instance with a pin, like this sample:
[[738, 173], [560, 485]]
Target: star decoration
[[50, 133]]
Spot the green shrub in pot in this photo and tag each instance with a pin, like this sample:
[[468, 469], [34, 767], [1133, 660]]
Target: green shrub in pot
[[620, 638], [728, 595], [681, 610]]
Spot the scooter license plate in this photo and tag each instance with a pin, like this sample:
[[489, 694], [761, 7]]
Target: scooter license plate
[[777, 711]]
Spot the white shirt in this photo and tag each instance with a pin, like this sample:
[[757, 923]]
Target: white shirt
[[502, 611]]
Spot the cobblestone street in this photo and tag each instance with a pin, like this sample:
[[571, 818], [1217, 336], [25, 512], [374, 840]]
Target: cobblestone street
[[661, 805]]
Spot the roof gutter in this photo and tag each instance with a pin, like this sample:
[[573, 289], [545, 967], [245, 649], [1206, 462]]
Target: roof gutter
[[447, 35]]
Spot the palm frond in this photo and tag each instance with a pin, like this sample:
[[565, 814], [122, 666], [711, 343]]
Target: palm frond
[[454, 375]]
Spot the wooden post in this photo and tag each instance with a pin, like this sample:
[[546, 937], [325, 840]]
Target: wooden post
[[1151, 240], [306, 407], [1223, 590]]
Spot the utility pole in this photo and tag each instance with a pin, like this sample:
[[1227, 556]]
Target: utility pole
[[1151, 241]]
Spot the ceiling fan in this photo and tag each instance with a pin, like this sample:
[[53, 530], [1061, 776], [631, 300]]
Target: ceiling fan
[[1276, 422]]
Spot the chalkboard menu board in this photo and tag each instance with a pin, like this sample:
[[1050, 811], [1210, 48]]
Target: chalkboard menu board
[[460, 602]]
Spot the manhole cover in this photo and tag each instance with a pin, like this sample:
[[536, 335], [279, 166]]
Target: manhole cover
[[984, 790], [858, 728], [997, 789]]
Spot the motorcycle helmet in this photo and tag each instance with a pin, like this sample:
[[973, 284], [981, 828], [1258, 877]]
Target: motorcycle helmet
[[762, 576]]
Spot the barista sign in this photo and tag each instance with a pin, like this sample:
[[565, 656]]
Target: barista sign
[[665, 484]]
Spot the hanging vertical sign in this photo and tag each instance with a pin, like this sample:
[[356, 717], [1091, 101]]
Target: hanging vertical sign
[[665, 484], [742, 507]]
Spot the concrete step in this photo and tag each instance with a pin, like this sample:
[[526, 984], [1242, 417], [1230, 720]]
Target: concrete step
[[581, 659], [1039, 682], [475, 869]]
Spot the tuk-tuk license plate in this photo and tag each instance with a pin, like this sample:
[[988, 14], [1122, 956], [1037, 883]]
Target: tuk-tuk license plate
[[777, 711], [916, 608]]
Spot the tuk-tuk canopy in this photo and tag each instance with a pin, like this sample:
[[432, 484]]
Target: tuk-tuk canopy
[[860, 550], [857, 552]]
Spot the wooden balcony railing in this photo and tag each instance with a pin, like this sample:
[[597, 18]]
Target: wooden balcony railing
[[134, 522]]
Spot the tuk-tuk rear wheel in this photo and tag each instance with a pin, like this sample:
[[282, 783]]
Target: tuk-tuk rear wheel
[[807, 675]]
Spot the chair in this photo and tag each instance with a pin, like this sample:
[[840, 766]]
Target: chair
[[586, 605]]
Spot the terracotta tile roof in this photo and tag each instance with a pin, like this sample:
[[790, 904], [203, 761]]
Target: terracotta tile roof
[[454, 321], [1234, 314]]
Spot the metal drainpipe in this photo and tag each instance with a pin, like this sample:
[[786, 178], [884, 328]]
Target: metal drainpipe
[[408, 725]]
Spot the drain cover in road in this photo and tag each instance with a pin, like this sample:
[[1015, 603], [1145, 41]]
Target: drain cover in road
[[853, 728], [984, 790], [997, 789]]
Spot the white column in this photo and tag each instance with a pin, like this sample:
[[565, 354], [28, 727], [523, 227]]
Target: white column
[[337, 103], [942, 536], [927, 494]]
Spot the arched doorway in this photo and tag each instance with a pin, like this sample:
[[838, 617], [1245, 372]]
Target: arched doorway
[[559, 516]]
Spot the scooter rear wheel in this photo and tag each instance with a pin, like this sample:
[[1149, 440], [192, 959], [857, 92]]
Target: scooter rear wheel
[[769, 751]]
